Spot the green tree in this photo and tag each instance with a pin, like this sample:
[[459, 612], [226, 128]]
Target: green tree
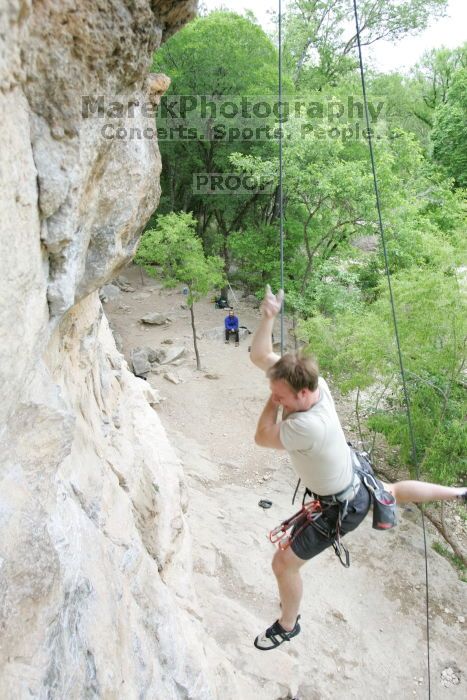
[[360, 352], [329, 201], [432, 79], [320, 34], [223, 57], [450, 130], [174, 251]]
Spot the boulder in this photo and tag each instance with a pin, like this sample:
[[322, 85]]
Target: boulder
[[147, 359], [214, 333], [123, 284], [139, 361], [173, 353], [218, 333], [109, 292], [155, 319], [253, 301], [156, 356]]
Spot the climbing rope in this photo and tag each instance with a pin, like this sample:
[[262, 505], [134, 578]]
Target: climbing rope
[[395, 323], [281, 174]]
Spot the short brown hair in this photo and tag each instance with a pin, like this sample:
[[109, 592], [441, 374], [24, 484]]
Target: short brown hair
[[299, 371]]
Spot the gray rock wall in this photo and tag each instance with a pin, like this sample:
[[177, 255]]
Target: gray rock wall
[[95, 569]]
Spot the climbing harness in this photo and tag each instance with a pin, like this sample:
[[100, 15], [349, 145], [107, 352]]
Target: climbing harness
[[310, 514]]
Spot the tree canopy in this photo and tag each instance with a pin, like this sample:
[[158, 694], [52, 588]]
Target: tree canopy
[[173, 251], [334, 278]]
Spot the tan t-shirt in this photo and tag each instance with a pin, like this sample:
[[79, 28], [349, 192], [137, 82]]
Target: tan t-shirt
[[317, 446]]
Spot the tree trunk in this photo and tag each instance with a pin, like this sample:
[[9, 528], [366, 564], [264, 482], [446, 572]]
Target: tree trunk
[[294, 330], [195, 344]]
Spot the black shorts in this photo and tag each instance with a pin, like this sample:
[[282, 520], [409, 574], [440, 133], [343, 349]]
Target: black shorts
[[311, 542]]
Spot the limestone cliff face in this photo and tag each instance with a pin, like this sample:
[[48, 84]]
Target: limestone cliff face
[[95, 583]]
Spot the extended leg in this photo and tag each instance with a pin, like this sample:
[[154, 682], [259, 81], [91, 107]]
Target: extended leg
[[423, 492]]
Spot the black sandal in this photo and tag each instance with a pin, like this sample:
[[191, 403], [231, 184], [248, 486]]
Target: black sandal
[[275, 635]]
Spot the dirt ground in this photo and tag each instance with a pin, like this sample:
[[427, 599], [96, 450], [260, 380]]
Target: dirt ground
[[363, 629]]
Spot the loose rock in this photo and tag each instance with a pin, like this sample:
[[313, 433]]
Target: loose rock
[[153, 396], [155, 319], [172, 354], [139, 360], [171, 378], [109, 292], [449, 677]]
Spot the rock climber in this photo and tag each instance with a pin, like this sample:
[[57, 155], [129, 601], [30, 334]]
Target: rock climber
[[311, 433]]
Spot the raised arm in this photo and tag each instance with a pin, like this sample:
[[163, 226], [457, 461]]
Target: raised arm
[[261, 353]]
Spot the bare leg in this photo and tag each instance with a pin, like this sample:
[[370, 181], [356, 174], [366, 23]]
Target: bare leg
[[423, 492], [286, 566]]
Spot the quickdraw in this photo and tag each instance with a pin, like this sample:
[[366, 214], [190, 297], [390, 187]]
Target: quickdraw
[[308, 513]]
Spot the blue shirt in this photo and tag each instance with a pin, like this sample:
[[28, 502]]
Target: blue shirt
[[231, 323]]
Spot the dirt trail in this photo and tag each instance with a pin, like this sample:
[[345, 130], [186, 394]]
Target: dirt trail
[[364, 628]]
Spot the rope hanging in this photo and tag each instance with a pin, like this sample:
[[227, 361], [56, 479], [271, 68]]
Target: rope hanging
[[281, 200], [394, 318]]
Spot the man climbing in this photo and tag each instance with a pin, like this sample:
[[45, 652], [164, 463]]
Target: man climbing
[[231, 327], [311, 433]]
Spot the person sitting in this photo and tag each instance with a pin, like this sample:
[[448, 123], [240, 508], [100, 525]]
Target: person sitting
[[221, 303], [231, 327]]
